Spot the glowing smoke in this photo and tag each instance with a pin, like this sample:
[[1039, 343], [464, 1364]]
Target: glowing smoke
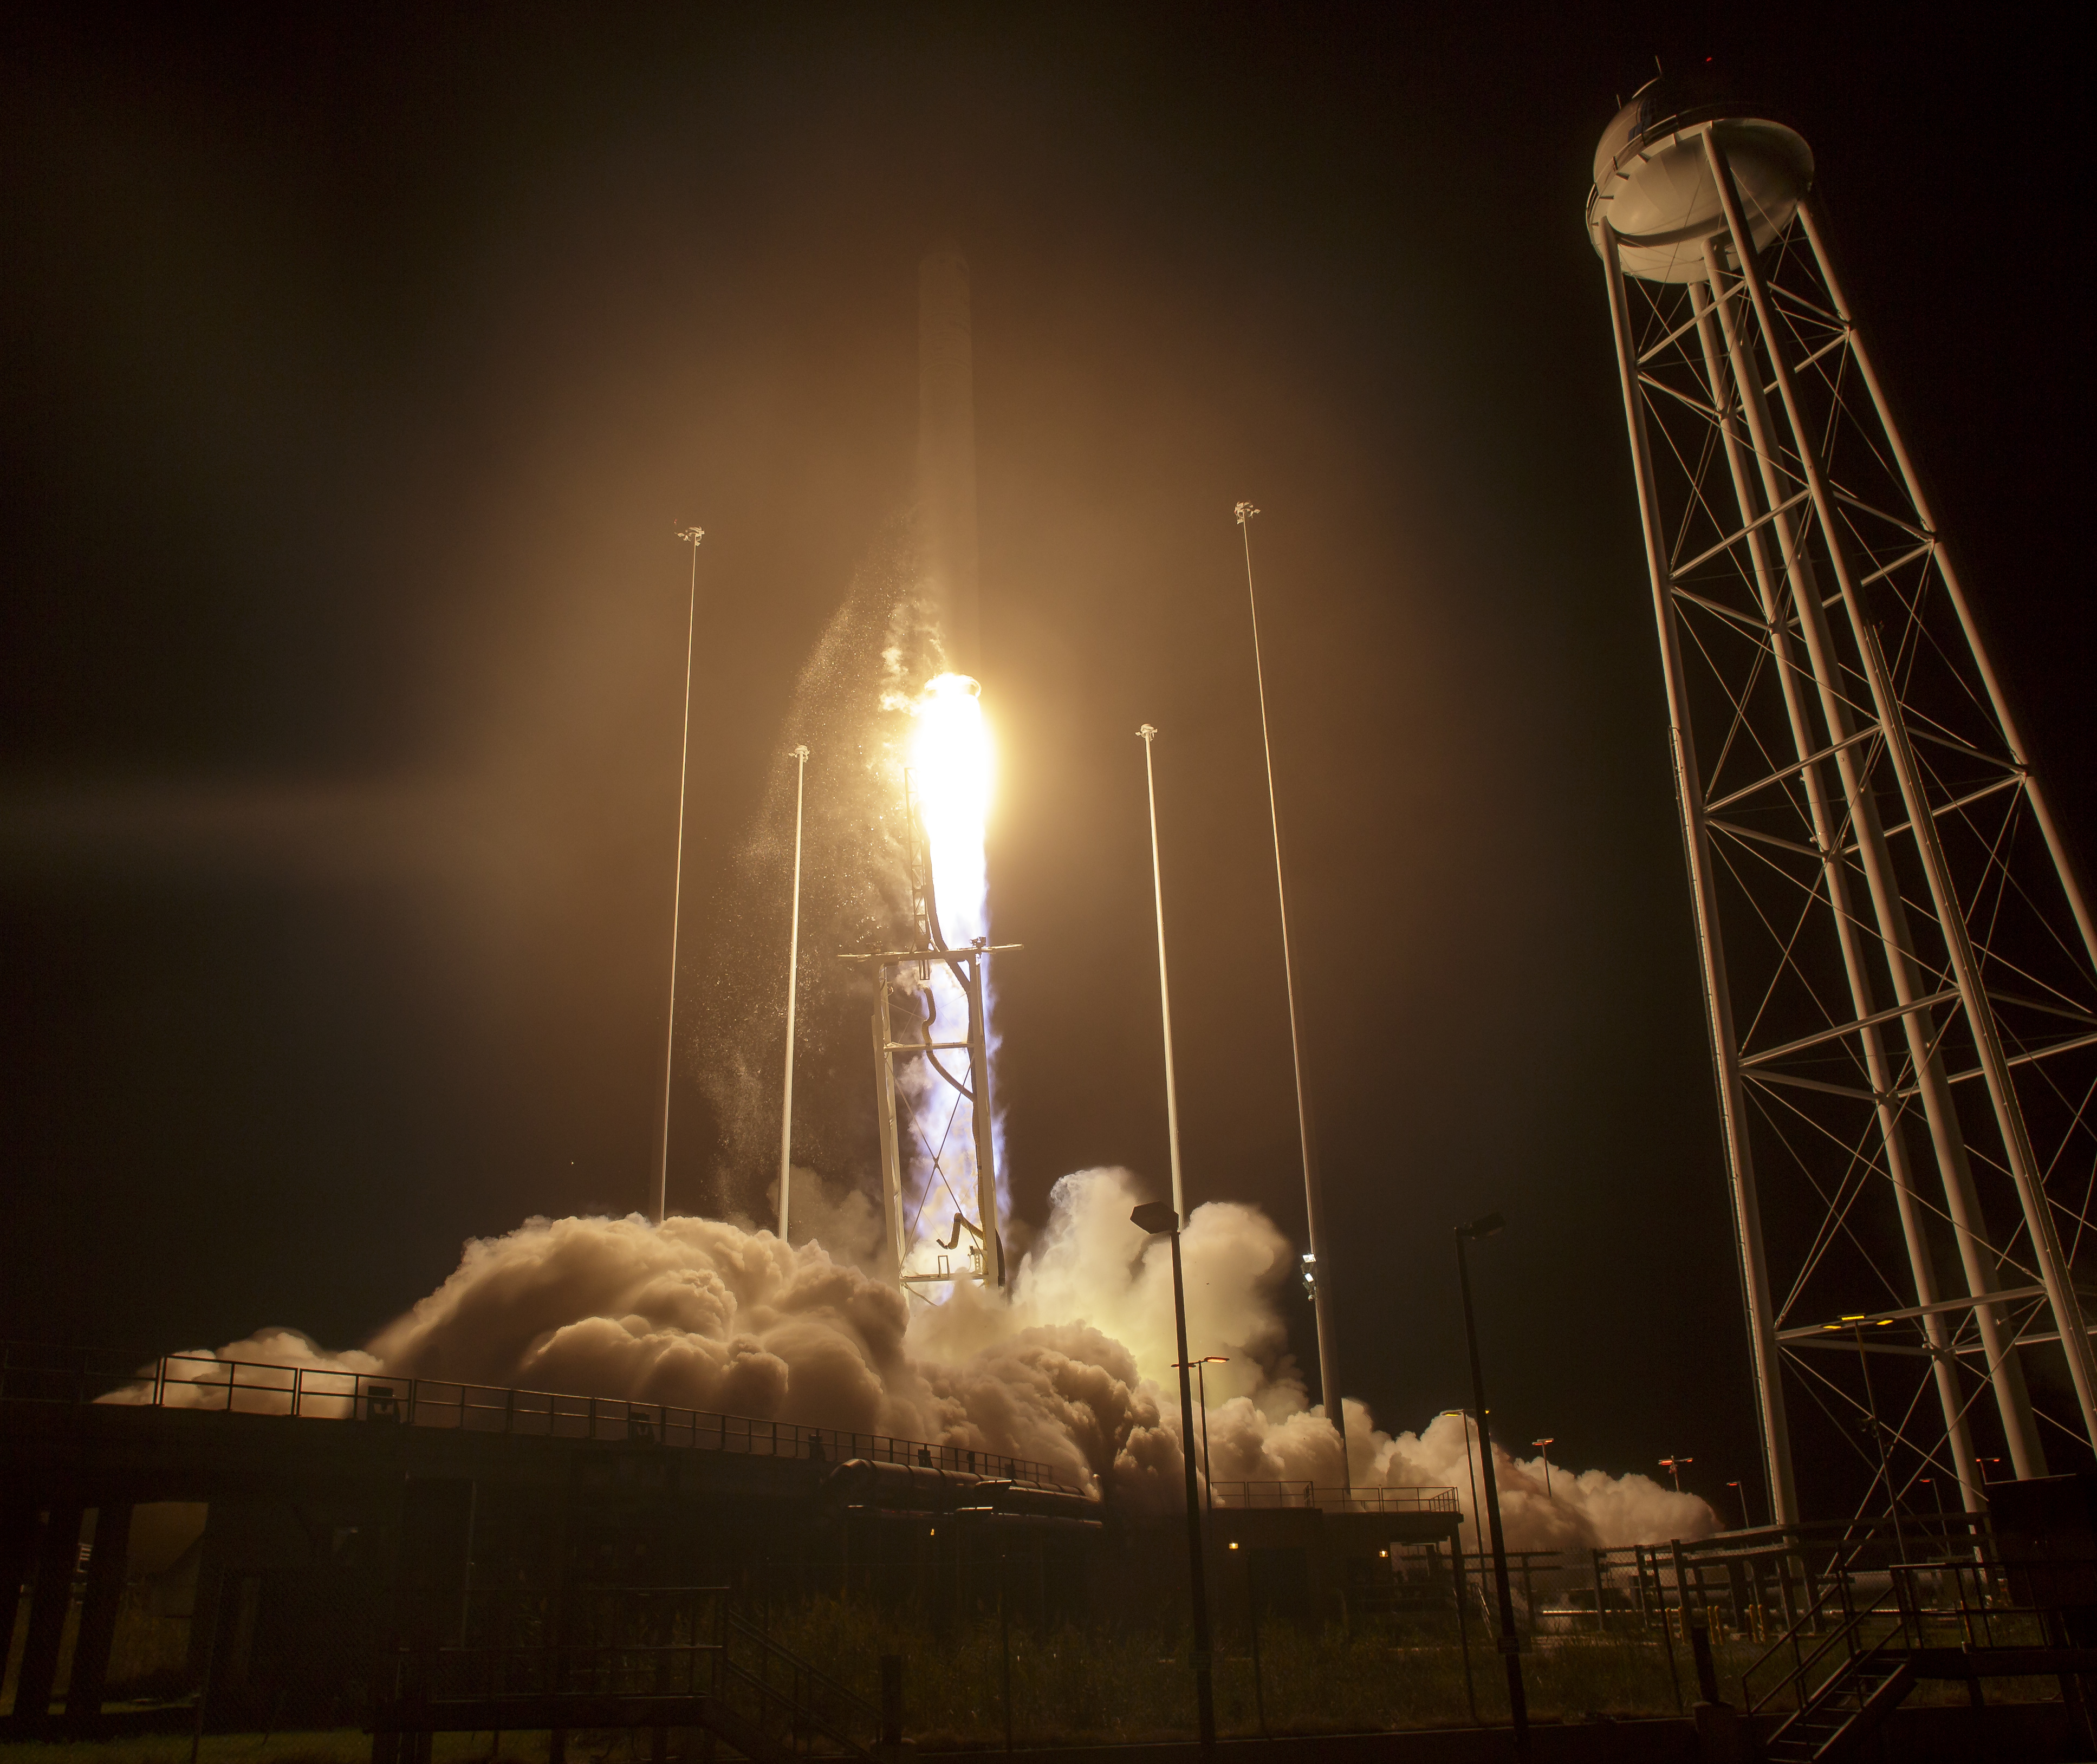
[[875, 701], [1074, 1370]]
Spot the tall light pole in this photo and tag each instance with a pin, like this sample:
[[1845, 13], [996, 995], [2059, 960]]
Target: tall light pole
[[1544, 1446], [1208, 1475], [1674, 1466], [1318, 1269], [1159, 1219], [1164, 996], [691, 536], [800, 756], [1510, 1640], [1463, 1573], [1741, 1490], [1470, 1469]]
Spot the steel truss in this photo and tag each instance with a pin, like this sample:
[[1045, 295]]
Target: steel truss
[[1899, 969], [909, 1056]]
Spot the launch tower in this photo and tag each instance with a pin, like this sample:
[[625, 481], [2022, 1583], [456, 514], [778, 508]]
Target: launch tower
[[1899, 967], [912, 1041]]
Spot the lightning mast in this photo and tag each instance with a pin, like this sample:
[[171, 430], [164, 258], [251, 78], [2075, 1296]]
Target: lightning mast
[[1317, 1269], [800, 757], [691, 535]]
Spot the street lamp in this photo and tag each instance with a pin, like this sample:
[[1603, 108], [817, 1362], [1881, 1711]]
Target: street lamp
[[1742, 1487], [1471, 1470], [1208, 1474], [1544, 1445], [1490, 1226], [1158, 1219], [1463, 1572], [1673, 1467]]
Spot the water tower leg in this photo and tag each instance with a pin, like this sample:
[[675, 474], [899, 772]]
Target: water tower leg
[[1718, 999]]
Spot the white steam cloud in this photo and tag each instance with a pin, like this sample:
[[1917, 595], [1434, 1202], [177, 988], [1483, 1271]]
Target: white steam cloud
[[1073, 1369]]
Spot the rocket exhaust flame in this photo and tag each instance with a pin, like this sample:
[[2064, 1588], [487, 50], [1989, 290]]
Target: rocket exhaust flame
[[950, 786], [943, 1005]]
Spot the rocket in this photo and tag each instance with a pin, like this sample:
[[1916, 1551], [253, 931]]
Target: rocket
[[947, 451]]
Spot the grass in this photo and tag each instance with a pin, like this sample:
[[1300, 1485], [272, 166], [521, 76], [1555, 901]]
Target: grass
[[1105, 1685]]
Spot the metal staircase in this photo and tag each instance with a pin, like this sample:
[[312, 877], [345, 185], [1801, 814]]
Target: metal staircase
[[1847, 1707], [1850, 1667]]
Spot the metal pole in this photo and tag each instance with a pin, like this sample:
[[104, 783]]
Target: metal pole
[[691, 535], [1510, 1640], [1252, 1601], [1463, 1617], [1164, 995], [1208, 1469], [1314, 1207], [1718, 999], [1004, 1635], [979, 1118], [1980, 1013], [793, 978], [1471, 1470], [1204, 1689], [892, 1160]]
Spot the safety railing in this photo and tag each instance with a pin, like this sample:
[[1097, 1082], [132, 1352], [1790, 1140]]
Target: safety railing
[[1833, 1630], [34, 1374], [502, 1643], [1301, 1494], [490, 1649], [1960, 1602], [791, 1693]]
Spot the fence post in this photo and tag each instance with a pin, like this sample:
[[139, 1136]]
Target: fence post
[[891, 1706], [1601, 1623]]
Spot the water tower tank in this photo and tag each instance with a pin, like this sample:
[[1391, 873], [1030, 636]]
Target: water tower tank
[[1653, 181]]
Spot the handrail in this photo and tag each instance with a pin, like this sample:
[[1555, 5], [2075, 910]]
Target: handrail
[[205, 1382], [804, 1708], [1237, 1496], [1844, 1634]]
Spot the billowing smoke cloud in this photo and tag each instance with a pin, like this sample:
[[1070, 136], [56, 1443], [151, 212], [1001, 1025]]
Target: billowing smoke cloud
[[1074, 1369], [850, 706]]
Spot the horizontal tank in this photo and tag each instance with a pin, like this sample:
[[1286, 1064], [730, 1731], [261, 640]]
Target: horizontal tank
[[1653, 184]]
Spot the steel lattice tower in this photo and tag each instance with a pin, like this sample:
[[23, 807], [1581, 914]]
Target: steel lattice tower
[[1900, 972]]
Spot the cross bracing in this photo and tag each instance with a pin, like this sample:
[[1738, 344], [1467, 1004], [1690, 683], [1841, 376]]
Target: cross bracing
[[1900, 971]]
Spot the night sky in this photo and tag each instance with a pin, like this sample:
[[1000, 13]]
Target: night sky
[[361, 363]]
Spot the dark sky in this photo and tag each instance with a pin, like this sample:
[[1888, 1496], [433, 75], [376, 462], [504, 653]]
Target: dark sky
[[360, 364]]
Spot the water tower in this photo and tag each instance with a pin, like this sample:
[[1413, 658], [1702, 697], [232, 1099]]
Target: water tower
[[1899, 967]]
